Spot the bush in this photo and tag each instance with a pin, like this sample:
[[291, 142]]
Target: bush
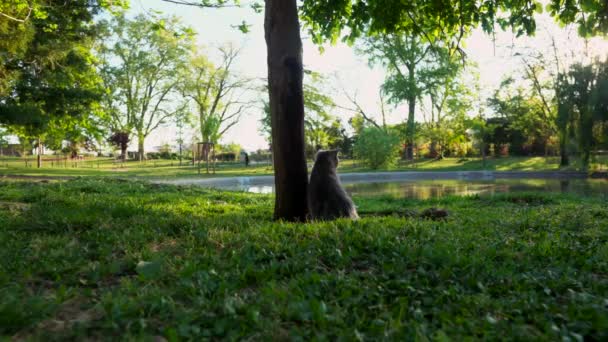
[[226, 157], [153, 155], [377, 148]]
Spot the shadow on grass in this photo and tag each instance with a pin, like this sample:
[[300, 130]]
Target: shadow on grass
[[156, 260]]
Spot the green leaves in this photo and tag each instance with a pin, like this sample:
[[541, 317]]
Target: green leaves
[[52, 86], [243, 27], [582, 104], [377, 147], [143, 60], [442, 19]]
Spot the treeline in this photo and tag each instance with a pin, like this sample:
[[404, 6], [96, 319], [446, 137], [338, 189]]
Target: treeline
[[71, 80], [544, 109]]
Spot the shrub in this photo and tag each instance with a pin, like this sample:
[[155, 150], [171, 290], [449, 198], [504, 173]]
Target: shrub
[[227, 156], [377, 148], [153, 155]]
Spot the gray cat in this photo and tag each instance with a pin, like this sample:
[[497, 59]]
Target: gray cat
[[327, 199]]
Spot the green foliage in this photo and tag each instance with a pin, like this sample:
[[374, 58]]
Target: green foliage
[[142, 60], [130, 260], [582, 106], [591, 16], [49, 87], [529, 114], [233, 148], [377, 147], [215, 92], [447, 20]]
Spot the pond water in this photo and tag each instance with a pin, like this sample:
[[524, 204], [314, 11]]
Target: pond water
[[424, 189]]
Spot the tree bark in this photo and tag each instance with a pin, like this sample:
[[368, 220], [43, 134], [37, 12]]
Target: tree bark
[[123, 152], [207, 149], [180, 153], [563, 151], [39, 158], [411, 126], [140, 147], [483, 154], [411, 114], [285, 72]]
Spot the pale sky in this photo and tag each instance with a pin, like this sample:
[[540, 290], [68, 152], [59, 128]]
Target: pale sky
[[347, 70]]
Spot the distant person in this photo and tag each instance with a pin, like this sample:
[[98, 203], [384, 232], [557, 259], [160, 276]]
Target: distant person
[[246, 159]]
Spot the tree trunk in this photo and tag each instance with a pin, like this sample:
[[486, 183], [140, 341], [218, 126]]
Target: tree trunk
[[194, 154], [180, 154], [411, 114], [206, 152], [140, 147], [285, 72], [433, 149], [483, 154], [123, 151], [39, 158], [563, 152], [213, 157], [411, 126]]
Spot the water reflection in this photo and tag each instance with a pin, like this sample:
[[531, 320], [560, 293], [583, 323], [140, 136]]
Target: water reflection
[[440, 188], [424, 189]]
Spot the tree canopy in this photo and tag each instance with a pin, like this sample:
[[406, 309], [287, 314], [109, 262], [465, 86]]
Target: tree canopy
[[443, 19]]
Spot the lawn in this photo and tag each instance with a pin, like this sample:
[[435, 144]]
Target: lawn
[[107, 258], [102, 167], [154, 169]]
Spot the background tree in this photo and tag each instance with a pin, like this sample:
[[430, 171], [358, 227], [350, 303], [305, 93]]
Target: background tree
[[121, 141], [403, 57], [529, 123], [146, 55], [51, 72], [582, 106], [377, 147], [445, 90], [183, 119], [217, 93]]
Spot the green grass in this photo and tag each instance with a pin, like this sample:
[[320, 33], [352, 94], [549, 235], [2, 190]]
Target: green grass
[[476, 164], [107, 258], [104, 167], [154, 169]]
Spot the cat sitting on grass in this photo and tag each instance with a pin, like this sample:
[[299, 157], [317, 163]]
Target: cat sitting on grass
[[327, 199]]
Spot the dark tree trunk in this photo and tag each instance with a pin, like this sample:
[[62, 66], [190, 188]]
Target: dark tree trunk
[[433, 149], [483, 154], [282, 32], [563, 152], [39, 158], [411, 126], [123, 151]]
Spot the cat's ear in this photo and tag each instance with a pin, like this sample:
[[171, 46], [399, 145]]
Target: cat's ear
[[334, 155], [318, 154]]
